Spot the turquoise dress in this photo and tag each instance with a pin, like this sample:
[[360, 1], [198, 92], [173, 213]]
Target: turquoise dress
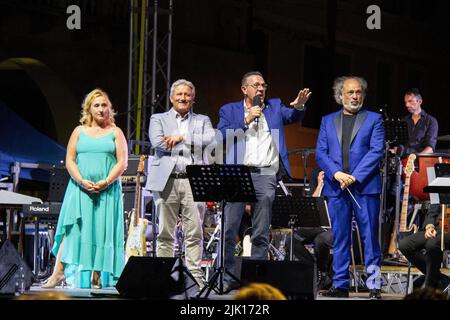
[[92, 224]]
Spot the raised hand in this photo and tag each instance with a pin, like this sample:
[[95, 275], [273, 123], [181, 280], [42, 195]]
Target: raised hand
[[320, 177], [302, 97]]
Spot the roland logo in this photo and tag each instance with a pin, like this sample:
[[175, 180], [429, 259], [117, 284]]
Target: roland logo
[[39, 209]]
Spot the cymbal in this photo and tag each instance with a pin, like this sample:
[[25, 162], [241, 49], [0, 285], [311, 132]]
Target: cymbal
[[444, 138], [302, 151]]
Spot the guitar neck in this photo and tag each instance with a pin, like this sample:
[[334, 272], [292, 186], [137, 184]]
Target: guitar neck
[[404, 211], [137, 200]]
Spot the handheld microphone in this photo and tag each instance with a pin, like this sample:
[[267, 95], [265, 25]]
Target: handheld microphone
[[256, 103]]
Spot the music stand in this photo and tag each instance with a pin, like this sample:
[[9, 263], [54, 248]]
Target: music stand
[[441, 185], [220, 183], [59, 179], [396, 131], [294, 212], [304, 153]]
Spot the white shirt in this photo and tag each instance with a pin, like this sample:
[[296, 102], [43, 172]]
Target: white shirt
[[183, 129], [260, 151]]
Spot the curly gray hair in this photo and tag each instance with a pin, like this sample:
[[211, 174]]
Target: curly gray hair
[[338, 85]]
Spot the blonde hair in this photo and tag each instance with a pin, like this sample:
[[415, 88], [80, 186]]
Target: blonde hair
[[259, 291], [86, 117]]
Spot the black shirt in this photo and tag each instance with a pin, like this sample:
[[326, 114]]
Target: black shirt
[[348, 122], [422, 134]]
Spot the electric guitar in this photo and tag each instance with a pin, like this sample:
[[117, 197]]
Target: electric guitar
[[136, 243], [409, 168], [403, 214]]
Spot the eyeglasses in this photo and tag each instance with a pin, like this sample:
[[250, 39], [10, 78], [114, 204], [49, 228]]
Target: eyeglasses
[[257, 85]]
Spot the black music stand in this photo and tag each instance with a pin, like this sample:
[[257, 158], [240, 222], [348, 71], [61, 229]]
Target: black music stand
[[59, 179], [220, 183], [442, 170], [396, 132], [304, 153], [294, 212]]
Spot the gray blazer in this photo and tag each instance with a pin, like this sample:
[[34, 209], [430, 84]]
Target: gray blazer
[[199, 135]]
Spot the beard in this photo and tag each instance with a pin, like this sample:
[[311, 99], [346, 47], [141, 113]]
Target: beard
[[353, 106]]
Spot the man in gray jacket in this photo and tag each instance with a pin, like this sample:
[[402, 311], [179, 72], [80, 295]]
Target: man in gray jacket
[[179, 138]]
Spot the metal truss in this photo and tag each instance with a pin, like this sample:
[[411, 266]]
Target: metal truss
[[149, 66]]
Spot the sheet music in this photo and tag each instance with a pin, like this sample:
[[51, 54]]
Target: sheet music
[[434, 197], [440, 182]]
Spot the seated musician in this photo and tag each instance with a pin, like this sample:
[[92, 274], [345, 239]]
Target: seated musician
[[428, 261], [321, 237], [422, 127], [422, 138]]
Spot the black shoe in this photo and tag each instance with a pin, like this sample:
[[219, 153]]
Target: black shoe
[[324, 283], [418, 282], [443, 282], [375, 294], [336, 293]]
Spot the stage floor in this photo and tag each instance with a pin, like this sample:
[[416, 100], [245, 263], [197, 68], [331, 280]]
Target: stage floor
[[112, 294]]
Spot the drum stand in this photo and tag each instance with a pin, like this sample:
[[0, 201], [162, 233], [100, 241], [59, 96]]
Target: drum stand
[[384, 175]]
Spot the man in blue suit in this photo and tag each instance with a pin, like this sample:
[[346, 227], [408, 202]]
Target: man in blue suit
[[349, 149], [253, 131]]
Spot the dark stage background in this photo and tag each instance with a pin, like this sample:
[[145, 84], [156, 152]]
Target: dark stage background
[[46, 69]]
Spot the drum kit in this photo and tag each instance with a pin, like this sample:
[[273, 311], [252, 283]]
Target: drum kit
[[211, 225]]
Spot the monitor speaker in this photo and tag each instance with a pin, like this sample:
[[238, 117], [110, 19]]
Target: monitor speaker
[[296, 279], [12, 268], [155, 278]]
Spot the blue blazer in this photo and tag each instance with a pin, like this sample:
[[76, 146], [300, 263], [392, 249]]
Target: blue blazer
[[366, 151], [276, 114]]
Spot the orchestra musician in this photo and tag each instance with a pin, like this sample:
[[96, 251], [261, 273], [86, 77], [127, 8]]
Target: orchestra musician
[[429, 238], [321, 237], [422, 127]]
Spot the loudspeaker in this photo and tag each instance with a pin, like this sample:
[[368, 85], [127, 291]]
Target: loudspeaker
[[296, 279], [155, 278], [10, 266]]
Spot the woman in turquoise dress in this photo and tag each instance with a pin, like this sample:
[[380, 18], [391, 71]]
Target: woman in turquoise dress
[[89, 237]]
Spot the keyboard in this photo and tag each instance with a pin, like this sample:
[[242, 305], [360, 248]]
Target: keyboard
[[49, 210]]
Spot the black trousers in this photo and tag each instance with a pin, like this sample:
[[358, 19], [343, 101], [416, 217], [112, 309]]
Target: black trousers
[[323, 242], [425, 254]]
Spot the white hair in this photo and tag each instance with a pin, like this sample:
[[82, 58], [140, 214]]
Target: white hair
[[338, 85], [182, 82]]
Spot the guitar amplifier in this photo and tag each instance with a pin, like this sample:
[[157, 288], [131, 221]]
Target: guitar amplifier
[[128, 178], [129, 195], [133, 165]]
